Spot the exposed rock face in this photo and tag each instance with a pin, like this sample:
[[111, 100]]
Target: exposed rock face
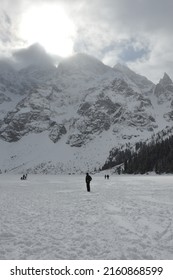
[[28, 116], [82, 102], [56, 131], [165, 81], [164, 93], [164, 89]]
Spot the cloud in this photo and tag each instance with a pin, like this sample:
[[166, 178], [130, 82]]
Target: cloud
[[35, 54], [6, 34], [5, 26], [133, 16], [137, 32]]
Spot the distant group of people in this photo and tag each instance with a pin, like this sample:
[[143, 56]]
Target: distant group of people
[[106, 176], [24, 177]]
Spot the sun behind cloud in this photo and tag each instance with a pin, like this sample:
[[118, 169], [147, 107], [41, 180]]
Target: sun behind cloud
[[50, 26]]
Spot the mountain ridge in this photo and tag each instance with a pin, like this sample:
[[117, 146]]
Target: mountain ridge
[[81, 110]]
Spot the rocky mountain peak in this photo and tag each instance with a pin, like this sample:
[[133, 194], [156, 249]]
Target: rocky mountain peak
[[122, 67], [166, 80], [145, 85], [164, 93]]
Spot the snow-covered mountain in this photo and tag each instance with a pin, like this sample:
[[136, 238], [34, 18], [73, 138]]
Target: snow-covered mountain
[[68, 118]]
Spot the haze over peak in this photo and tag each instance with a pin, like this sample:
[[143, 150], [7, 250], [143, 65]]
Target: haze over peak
[[36, 55], [83, 63]]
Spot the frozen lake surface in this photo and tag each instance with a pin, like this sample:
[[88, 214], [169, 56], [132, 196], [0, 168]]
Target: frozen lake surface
[[53, 217]]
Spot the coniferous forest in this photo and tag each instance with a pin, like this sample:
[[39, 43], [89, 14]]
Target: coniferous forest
[[156, 156]]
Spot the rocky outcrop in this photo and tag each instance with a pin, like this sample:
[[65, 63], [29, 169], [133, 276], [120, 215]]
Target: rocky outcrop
[[164, 93], [56, 131], [164, 89]]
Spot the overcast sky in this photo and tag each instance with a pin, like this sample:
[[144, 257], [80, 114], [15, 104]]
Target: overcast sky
[[135, 32]]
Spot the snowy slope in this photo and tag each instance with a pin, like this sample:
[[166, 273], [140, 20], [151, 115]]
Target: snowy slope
[[53, 217], [141, 82], [67, 119]]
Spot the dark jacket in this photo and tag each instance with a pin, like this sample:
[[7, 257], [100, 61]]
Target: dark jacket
[[88, 178]]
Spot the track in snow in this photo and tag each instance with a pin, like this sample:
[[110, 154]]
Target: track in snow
[[53, 217]]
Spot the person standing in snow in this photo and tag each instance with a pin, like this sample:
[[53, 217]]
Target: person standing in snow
[[88, 179]]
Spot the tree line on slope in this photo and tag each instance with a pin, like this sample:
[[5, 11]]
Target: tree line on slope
[[155, 156]]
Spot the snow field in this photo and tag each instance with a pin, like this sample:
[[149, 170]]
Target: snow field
[[53, 217]]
